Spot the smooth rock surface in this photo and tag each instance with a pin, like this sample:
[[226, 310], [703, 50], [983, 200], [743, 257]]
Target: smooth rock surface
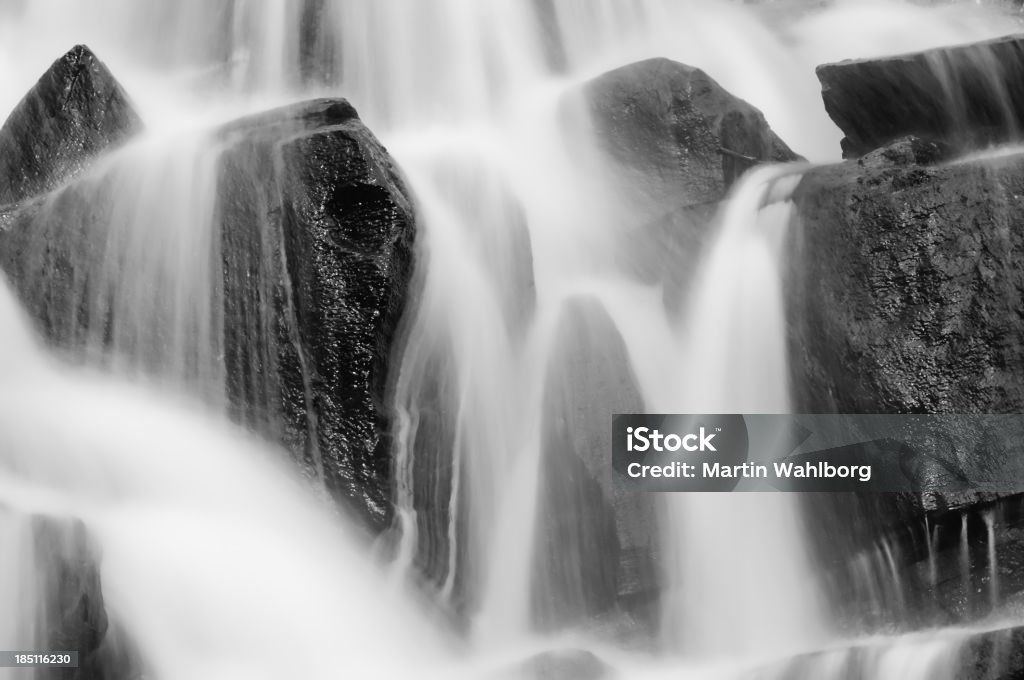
[[968, 96], [614, 530], [567, 664]]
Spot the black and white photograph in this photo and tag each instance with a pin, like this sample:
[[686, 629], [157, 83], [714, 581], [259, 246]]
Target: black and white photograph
[[511, 340]]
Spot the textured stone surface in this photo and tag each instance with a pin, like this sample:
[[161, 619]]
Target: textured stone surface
[[677, 132], [76, 111], [906, 294], [316, 236], [313, 232], [968, 96]]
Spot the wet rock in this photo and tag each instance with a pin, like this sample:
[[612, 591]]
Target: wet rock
[[71, 608], [967, 96], [597, 538], [316, 237], [954, 573], [678, 133], [76, 111], [924, 569], [993, 655], [905, 288], [965, 655], [905, 296], [311, 255]]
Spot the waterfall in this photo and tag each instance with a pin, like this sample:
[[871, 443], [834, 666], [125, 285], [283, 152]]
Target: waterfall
[[535, 315], [148, 307], [993, 562], [736, 584], [212, 552]]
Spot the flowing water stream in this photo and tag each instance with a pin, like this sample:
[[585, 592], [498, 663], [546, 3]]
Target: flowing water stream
[[526, 313]]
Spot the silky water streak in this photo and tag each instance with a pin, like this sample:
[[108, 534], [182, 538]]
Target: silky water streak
[[214, 557], [740, 579]]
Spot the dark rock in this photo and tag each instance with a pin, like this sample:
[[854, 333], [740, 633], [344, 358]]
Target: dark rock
[[921, 569], [316, 237], [677, 132], [909, 150], [967, 96], [952, 571], [993, 655], [906, 296], [76, 111], [678, 141], [51, 250], [312, 235], [905, 287]]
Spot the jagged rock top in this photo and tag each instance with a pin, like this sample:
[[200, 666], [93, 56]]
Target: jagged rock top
[[74, 112]]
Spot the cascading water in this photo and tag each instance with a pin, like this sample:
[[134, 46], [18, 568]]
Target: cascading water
[[211, 549], [748, 589], [132, 308], [528, 332]]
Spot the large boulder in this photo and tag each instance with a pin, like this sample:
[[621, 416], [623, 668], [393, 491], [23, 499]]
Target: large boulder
[[316, 232], [76, 111], [677, 133], [677, 141], [906, 294], [609, 532], [967, 96], [308, 258]]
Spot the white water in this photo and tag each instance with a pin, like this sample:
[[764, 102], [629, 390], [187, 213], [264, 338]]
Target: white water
[[993, 560], [494, 148], [212, 554], [735, 587]]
